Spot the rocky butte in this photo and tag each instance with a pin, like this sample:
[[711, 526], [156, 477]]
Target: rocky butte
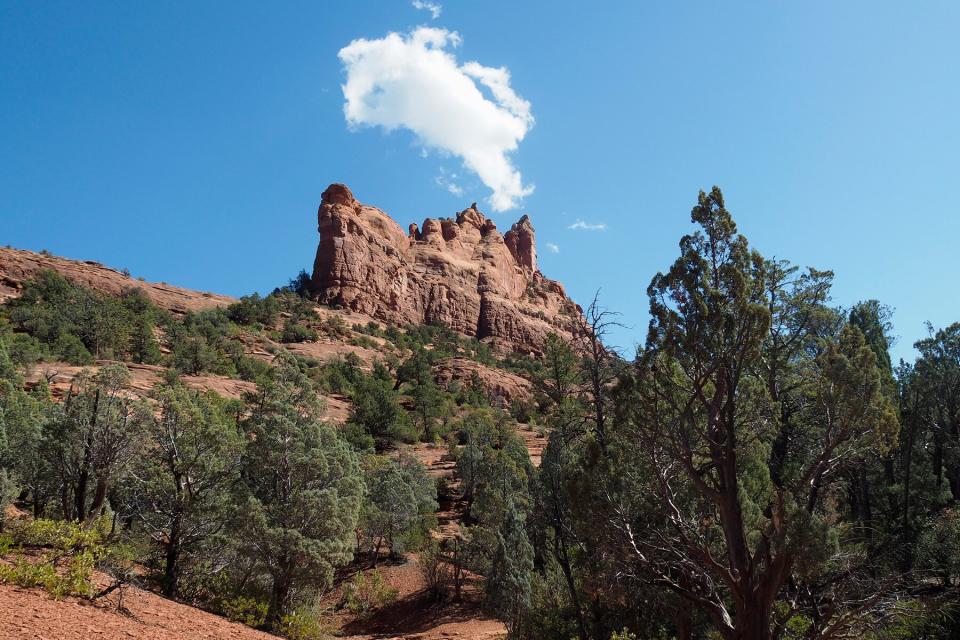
[[460, 272]]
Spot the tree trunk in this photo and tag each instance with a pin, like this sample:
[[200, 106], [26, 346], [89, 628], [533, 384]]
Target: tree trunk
[[279, 595], [66, 502], [754, 624], [171, 569], [560, 552], [683, 624], [99, 498], [80, 492]]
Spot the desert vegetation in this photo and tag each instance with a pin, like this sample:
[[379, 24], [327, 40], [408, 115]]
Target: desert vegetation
[[759, 469]]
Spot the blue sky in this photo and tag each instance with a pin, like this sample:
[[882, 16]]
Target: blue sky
[[190, 142]]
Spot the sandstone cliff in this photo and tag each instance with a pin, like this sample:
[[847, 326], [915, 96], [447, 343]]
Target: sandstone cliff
[[460, 272]]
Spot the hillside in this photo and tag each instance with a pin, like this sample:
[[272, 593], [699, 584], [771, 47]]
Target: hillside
[[352, 329]]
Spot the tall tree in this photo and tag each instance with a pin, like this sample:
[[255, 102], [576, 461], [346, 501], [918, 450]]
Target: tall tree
[[305, 488], [734, 532], [938, 371], [183, 482], [508, 583], [92, 440]]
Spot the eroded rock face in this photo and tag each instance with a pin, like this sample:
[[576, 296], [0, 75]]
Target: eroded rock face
[[458, 272], [501, 387]]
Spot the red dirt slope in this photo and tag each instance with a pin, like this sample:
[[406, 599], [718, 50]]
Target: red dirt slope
[[31, 613]]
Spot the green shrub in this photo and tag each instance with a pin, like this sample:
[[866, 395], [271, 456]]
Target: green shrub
[[6, 543], [305, 623], [367, 592], [59, 534], [70, 349], [252, 369], [248, 611], [75, 578], [295, 332], [253, 309], [335, 326]]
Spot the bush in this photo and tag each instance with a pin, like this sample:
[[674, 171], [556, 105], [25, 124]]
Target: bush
[[336, 327], [295, 332], [76, 551], [244, 610], [367, 592], [305, 623], [59, 534], [70, 349], [358, 436], [253, 309]]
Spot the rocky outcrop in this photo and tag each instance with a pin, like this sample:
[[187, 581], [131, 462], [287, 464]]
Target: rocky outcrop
[[459, 272], [502, 388], [18, 266]]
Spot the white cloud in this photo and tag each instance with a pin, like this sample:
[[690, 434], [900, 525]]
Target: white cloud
[[412, 81], [552, 247], [449, 185], [580, 225], [433, 7]]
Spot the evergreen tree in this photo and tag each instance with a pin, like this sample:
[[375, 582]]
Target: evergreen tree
[[400, 502], [704, 417], [508, 582], [183, 482], [377, 411], [304, 485], [92, 439]]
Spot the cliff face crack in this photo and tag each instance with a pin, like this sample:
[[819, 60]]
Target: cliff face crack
[[460, 272]]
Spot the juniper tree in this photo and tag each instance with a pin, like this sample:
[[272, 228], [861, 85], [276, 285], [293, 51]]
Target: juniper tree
[[182, 484], [938, 374], [92, 439], [304, 485], [399, 504], [507, 584], [735, 519]]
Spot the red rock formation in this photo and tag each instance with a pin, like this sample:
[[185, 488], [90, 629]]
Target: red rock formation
[[501, 387], [17, 266], [460, 272]]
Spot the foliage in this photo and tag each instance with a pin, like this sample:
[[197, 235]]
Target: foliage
[[245, 610], [181, 487], [508, 581], [66, 567], [306, 623], [304, 488], [78, 325], [399, 505], [367, 592], [377, 413], [293, 331]]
